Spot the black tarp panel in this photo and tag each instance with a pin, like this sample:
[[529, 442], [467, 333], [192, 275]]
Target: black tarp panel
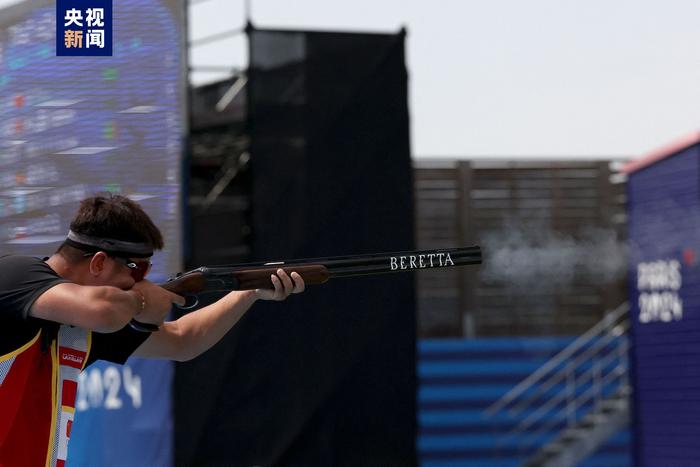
[[328, 377]]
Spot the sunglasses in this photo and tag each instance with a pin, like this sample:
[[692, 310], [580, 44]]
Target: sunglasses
[[138, 269]]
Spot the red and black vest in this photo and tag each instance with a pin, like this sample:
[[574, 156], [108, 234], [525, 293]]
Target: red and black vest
[[38, 388]]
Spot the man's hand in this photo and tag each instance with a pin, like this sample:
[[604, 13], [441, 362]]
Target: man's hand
[[157, 302], [284, 286]]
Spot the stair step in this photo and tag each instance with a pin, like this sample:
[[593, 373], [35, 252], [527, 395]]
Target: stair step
[[539, 459], [552, 448], [573, 434], [625, 390], [613, 405], [594, 418]]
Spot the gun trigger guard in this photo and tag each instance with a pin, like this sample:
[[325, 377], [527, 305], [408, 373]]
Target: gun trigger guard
[[191, 301]]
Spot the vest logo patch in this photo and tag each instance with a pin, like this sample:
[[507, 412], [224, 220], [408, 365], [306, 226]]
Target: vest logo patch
[[71, 357]]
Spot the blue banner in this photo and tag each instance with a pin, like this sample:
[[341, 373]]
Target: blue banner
[[123, 416]]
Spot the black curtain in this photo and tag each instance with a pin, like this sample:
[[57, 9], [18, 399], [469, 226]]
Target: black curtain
[[328, 377]]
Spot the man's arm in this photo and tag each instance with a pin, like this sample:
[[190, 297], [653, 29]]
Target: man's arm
[[196, 332], [101, 308]]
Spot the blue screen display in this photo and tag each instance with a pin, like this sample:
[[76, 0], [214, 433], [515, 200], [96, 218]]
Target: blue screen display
[[74, 126]]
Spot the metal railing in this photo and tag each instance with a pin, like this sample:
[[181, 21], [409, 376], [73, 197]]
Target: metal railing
[[590, 369]]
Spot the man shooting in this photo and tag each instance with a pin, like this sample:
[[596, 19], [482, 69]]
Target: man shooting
[[90, 301]]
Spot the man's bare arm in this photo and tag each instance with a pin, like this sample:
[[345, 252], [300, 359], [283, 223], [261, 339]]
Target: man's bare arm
[[104, 308], [100, 308], [196, 332]]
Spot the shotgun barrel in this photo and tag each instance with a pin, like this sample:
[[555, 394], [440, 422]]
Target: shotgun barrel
[[317, 270]]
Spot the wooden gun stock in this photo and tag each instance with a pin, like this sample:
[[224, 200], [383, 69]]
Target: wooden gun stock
[[209, 280]]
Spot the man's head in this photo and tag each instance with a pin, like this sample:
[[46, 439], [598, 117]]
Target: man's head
[[110, 241]]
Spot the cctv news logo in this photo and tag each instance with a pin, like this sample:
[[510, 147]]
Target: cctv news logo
[[84, 28]]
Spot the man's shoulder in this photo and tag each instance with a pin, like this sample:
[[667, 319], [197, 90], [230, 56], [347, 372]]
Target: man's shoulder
[[15, 268], [19, 259]]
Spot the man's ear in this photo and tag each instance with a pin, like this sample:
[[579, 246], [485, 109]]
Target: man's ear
[[97, 263]]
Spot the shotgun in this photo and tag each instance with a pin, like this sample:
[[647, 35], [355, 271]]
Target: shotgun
[[313, 270]]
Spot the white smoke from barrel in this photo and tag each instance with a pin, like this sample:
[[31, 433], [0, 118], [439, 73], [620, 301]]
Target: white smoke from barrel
[[530, 256]]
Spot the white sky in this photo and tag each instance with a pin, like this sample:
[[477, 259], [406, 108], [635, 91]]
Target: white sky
[[511, 78]]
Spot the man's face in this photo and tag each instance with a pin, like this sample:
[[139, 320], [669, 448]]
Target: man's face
[[120, 275], [115, 271]]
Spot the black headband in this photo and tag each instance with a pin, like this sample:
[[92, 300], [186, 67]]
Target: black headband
[[108, 245]]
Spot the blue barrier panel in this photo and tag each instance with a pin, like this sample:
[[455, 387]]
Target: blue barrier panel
[[460, 379]]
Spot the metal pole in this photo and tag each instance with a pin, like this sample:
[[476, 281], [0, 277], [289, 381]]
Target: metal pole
[[247, 11], [597, 385], [570, 390]]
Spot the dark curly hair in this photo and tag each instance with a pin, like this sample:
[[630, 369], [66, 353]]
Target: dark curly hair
[[113, 216]]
